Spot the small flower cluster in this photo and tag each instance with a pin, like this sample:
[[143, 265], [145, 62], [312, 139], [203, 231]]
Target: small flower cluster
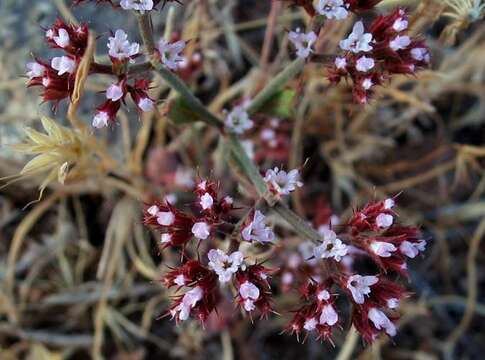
[[177, 228], [135, 5], [213, 214], [334, 9], [372, 57], [57, 77], [374, 233]]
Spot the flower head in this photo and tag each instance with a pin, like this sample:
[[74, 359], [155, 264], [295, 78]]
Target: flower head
[[170, 53], [358, 40], [332, 9], [359, 286], [303, 42], [249, 294], [225, 265], [257, 230], [137, 5], [120, 49], [331, 247], [282, 182], [238, 121]]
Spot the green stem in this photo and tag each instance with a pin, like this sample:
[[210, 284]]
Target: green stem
[[299, 224], [179, 86], [245, 164], [275, 85]]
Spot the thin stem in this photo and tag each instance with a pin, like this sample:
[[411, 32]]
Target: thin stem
[[275, 85], [300, 225], [179, 86], [246, 165], [145, 27]]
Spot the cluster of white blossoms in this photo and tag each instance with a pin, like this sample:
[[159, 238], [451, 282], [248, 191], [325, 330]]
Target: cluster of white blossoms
[[190, 299], [34, 69], [257, 230], [225, 265], [358, 40], [303, 42], [61, 39], [238, 121], [170, 53], [201, 230], [381, 321], [249, 293], [281, 181], [137, 5], [63, 65], [331, 247], [359, 286], [120, 48], [333, 9]]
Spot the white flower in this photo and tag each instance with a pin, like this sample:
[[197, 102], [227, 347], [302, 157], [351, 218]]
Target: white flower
[[382, 248], [358, 40], [412, 249], [389, 204], [35, 70], [287, 278], [365, 64], [328, 316], [165, 238], [153, 210], [238, 120], [302, 42], [145, 104], [138, 5], [120, 48], [360, 285], [331, 247], [165, 218], [170, 53], [190, 299], [63, 65], [400, 42], [332, 9], [340, 63], [294, 260], [225, 265], [393, 303], [206, 201], [421, 54], [249, 293], [257, 229], [179, 280], [367, 83], [228, 200], [62, 38], [201, 230], [400, 24], [100, 120], [310, 324], [384, 220], [269, 135], [381, 321], [323, 295], [283, 182], [114, 92]]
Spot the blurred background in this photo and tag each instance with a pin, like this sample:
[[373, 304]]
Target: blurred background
[[79, 270]]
